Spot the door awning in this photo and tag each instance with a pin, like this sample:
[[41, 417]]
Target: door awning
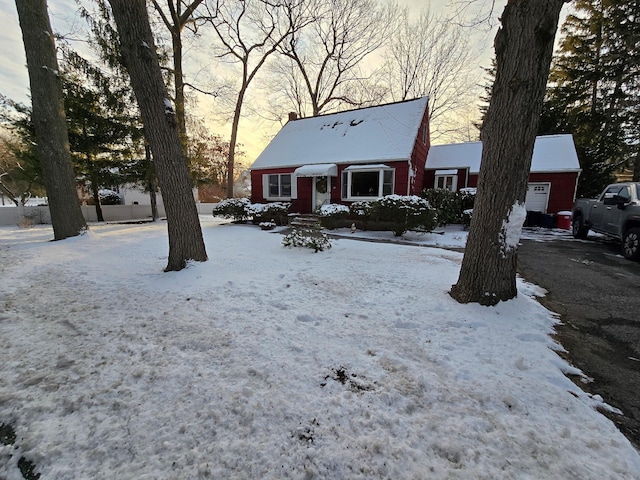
[[317, 170]]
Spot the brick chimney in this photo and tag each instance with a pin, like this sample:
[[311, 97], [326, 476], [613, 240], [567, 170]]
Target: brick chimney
[[293, 116]]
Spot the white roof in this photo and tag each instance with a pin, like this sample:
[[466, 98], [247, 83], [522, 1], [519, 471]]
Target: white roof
[[319, 169], [373, 134], [551, 153]]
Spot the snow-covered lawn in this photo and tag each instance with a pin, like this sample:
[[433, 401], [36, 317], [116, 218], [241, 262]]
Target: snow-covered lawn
[[271, 363]]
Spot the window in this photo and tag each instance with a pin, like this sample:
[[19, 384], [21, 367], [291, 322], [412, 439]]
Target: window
[[449, 182], [424, 133], [367, 182], [278, 186]]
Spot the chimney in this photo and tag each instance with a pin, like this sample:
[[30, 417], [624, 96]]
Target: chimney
[[293, 116]]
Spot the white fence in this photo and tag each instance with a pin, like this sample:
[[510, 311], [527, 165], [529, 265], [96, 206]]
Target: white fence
[[111, 213]]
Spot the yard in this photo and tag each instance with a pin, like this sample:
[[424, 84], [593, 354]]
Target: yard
[[267, 362]]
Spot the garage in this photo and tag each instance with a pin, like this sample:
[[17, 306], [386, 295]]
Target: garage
[[537, 197]]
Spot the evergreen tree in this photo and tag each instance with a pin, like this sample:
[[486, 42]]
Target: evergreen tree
[[104, 131], [592, 89]]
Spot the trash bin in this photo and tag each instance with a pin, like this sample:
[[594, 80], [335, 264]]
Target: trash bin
[[548, 220], [564, 220]]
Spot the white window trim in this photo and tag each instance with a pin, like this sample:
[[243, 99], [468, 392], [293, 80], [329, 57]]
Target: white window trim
[[454, 182], [363, 169], [265, 187]]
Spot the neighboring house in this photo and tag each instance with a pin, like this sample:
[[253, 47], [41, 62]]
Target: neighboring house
[[553, 178], [344, 157]]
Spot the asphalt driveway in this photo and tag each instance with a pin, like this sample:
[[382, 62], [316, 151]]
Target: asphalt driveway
[[597, 293]]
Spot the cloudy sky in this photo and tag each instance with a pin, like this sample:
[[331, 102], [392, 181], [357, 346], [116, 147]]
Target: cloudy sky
[[14, 81]]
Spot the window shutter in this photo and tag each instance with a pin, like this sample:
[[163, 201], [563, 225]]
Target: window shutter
[[265, 185], [294, 187]]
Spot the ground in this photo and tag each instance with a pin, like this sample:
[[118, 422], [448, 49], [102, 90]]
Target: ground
[[268, 362]]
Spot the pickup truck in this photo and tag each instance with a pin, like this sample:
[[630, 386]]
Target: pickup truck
[[615, 213]]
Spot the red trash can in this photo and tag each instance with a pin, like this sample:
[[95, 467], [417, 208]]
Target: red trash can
[[564, 220]]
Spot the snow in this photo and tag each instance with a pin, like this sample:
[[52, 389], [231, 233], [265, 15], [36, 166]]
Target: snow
[[267, 362], [551, 153], [381, 133], [509, 236]]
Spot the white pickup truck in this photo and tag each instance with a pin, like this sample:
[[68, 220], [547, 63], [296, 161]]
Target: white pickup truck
[[615, 213]]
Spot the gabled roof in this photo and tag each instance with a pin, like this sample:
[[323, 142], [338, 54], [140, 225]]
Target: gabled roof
[[373, 134], [551, 153]]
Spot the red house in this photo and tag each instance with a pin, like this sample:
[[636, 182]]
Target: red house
[[553, 178], [344, 157]]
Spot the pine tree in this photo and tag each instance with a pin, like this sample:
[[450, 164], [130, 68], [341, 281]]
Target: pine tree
[[593, 88]]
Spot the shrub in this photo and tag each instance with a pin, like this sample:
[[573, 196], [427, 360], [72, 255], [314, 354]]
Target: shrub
[[404, 213], [333, 215], [276, 212], [468, 196], [448, 204], [308, 238], [236, 208]]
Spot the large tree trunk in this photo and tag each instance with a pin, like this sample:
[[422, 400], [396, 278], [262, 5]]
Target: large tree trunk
[[523, 45], [158, 117], [49, 119]]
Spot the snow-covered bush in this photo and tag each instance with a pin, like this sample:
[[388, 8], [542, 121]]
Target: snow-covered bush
[[404, 213], [448, 204], [468, 200], [269, 212], [360, 210], [334, 210], [308, 238], [236, 208], [333, 215]]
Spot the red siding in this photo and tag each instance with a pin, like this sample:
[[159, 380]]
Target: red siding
[[562, 191], [419, 157], [430, 178]]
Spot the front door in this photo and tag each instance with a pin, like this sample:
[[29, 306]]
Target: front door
[[321, 191]]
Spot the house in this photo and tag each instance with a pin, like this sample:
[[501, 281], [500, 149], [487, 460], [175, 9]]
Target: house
[[344, 157], [553, 177]]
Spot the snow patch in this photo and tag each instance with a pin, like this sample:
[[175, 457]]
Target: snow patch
[[509, 235]]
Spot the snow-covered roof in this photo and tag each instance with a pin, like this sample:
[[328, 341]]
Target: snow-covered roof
[[551, 153], [373, 134]]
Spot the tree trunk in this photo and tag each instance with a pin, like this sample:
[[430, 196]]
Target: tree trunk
[[158, 117], [95, 191], [524, 46], [179, 86], [151, 183], [231, 159], [49, 119]]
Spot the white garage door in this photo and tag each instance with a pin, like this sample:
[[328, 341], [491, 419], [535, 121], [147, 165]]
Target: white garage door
[[537, 197]]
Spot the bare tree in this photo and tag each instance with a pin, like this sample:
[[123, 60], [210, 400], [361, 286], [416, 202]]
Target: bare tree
[[431, 56], [158, 117], [49, 119], [249, 31], [178, 15], [323, 59], [523, 48]]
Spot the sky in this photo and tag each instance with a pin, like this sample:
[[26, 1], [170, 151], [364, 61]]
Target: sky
[[254, 132], [269, 362]]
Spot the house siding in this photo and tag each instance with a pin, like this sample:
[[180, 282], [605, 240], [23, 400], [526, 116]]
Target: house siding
[[561, 194]]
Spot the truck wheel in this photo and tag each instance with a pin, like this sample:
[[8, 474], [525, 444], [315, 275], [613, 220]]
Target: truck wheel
[[578, 229], [631, 243]]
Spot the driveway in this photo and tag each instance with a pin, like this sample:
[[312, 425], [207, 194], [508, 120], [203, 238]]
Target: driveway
[[597, 293]]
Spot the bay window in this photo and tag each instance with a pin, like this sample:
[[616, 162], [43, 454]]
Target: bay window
[[367, 182]]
